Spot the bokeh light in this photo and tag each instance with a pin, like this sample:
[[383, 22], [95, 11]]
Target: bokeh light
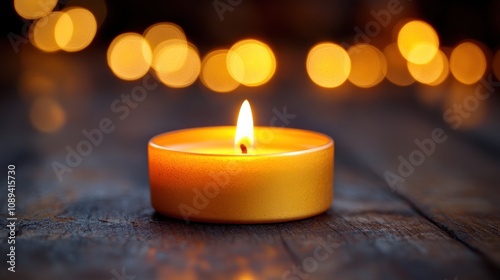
[[36, 83], [77, 34], [170, 56], [418, 42], [368, 65], [446, 70], [214, 74], [186, 74], [169, 45], [251, 62], [397, 69], [43, 31], [467, 63], [47, 115], [161, 32], [328, 65], [496, 64], [432, 73], [33, 9], [129, 56]]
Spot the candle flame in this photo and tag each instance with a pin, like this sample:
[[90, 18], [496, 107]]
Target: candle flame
[[244, 140]]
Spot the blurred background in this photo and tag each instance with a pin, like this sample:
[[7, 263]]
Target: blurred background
[[68, 64]]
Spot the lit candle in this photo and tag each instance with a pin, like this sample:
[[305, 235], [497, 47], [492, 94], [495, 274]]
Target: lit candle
[[226, 175]]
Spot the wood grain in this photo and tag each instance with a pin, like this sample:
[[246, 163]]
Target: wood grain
[[441, 223]]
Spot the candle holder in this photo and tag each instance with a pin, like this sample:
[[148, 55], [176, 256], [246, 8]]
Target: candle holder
[[196, 175]]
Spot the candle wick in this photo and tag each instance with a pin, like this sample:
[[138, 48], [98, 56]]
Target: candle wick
[[243, 148]]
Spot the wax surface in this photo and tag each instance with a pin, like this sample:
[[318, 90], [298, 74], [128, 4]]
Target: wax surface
[[197, 175]]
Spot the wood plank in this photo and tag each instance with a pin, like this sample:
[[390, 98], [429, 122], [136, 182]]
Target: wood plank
[[83, 233], [379, 236], [99, 219], [456, 186]]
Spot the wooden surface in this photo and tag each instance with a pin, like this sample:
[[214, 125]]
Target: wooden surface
[[442, 222]]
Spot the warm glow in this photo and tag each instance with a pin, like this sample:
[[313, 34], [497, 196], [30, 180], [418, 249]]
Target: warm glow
[[184, 73], [78, 33], [397, 69], [467, 63], [445, 73], [244, 140], [214, 73], [246, 275], [169, 45], [33, 9], [328, 65], [43, 31], [418, 42], [368, 65], [432, 73], [170, 56], [47, 115], [129, 56], [251, 62], [162, 32], [496, 64]]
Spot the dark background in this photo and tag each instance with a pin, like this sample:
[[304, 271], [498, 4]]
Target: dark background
[[291, 28], [299, 23], [441, 223]]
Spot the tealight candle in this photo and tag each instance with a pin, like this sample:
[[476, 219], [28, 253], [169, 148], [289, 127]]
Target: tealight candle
[[224, 175]]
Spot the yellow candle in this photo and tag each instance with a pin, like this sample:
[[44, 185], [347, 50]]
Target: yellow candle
[[216, 174]]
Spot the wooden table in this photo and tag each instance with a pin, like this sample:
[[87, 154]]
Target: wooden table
[[442, 222]]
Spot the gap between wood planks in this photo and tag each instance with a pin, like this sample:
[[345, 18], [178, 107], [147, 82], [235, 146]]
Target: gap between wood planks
[[489, 262]]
